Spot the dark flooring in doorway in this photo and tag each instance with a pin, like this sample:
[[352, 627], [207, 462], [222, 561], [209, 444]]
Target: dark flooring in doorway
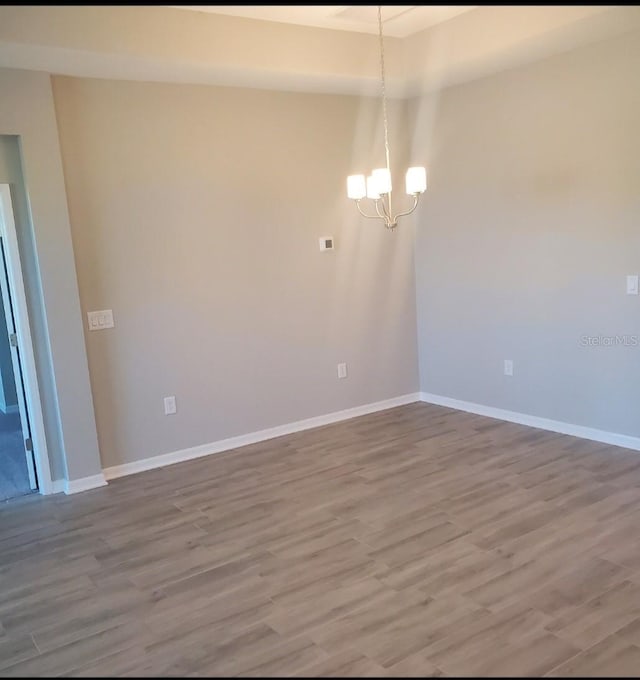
[[14, 478]]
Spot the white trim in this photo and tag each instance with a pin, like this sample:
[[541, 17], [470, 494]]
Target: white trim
[[83, 484], [25, 342], [57, 485], [613, 438], [254, 437]]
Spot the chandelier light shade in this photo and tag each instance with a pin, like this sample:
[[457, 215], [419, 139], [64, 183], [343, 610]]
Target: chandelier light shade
[[416, 181], [377, 186]]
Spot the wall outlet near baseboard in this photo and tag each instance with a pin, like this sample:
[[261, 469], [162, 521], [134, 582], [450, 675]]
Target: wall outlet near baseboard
[[169, 406], [342, 370], [508, 367]]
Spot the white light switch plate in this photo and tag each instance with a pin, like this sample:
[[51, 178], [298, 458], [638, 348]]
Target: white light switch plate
[[632, 284], [100, 319]]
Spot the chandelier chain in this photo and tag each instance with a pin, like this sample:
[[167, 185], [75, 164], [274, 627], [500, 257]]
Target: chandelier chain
[[384, 91]]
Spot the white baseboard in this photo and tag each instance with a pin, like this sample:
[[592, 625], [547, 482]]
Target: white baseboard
[[57, 486], [70, 486], [602, 436], [254, 437]]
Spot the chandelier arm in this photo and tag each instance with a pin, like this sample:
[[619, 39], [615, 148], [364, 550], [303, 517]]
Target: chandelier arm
[[385, 213], [364, 214], [416, 198]]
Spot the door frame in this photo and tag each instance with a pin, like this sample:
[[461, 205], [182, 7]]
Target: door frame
[[16, 366], [25, 342]]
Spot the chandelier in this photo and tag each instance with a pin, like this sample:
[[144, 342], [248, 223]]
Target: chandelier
[[377, 186]]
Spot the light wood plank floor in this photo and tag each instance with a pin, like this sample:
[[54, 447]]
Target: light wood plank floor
[[417, 541]]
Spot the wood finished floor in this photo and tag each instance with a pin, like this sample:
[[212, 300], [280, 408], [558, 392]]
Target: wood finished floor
[[417, 541]]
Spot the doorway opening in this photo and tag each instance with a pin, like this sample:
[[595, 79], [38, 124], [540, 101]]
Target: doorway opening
[[17, 465], [24, 464]]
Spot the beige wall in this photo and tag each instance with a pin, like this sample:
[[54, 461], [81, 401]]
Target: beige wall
[[530, 227], [195, 214], [31, 165]]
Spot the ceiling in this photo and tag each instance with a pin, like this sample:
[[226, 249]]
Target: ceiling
[[330, 49], [399, 20]]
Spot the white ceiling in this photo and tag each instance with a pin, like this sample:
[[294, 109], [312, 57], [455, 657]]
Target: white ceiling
[[277, 51], [399, 20]]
